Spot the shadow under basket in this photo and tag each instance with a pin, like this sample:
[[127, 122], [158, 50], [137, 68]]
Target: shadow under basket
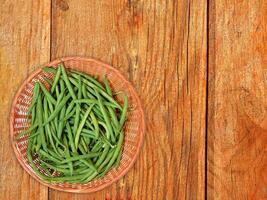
[[133, 130]]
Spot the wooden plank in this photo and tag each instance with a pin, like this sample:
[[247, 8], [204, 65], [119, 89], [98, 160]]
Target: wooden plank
[[24, 44], [237, 136], [161, 47]]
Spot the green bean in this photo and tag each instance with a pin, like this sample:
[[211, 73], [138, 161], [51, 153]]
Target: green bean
[[124, 111], [40, 120], [70, 136], [57, 140], [88, 155], [49, 157], [84, 145], [117, 163], [70, 106], [47, 94], [81, 148], [87, 141], [105, 115], [54, 168], [68, 155], [101, 91], [39, 141], [108, 89], [57, 91], [76, 119], [114, 119], [60, 96], [90, 177], [95, 123], [56, 79], [77, 136], [50, 70], [69, 115], [57, 109], [36, 91], [52, 153], [116, 153], [90, 101], [97, 146], [61, 122], [29, 156], [47, 127], [87, 135], [89, 78], [84, 92], [30, 129], [34, 135], [105, 162], [51, 107], [65, 178], [33, 114], [67, 82], [62, 85], [88, 164], [103, 156]]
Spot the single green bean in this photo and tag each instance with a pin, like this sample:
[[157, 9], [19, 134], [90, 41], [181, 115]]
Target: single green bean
[[49, 157], [36, 91], [106, 117], [47, 94], [114, 120], [62, 85], [56, 79], [40, 121], [84, 92], [89, 78], [108, 89], [51, 70], [67, 82], [61, 122], [70, 137], [68, 154], [124, 112], [90, 101], [30, 129], [77, 136], [88, 155], [57, 91]]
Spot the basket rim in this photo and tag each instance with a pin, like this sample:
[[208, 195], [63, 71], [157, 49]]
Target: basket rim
[[141, 132]]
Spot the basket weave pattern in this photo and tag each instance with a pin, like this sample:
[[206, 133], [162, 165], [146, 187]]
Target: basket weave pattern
[[134, 128]]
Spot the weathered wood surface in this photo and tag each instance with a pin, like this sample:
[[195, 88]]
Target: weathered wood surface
[[237, 123], [176, 54]]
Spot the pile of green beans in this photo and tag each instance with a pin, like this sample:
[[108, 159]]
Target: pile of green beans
[[76, 127]]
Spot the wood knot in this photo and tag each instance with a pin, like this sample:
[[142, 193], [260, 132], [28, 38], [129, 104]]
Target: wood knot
[[62, 5]]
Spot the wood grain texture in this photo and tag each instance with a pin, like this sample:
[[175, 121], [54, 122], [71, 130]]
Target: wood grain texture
[[24, 43], [161, 46], [237, 123]]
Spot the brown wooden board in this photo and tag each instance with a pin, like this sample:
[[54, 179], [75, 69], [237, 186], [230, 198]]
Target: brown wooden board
[[161, 46], [24, 44], [237, 123]]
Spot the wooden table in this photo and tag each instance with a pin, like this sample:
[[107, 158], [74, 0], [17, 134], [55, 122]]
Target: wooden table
[[200, 68]]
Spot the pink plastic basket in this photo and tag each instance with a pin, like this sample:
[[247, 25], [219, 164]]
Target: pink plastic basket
[[134, 129]]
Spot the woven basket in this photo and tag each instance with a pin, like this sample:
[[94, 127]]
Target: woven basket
[[134, 128]]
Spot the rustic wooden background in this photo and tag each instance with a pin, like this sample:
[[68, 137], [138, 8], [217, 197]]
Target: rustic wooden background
[[200, 68]]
